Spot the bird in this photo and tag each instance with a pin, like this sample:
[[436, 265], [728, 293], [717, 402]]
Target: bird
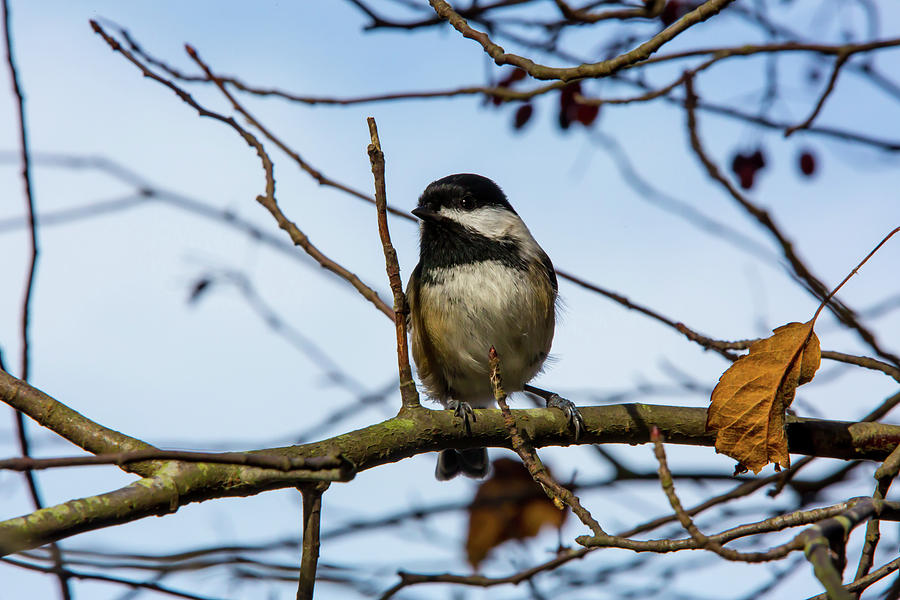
[[482, 280]]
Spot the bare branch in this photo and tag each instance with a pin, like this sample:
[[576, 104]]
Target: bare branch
[[401, 307], [268, 199], [172, 484], [136, 585], [560, 495], [71, 425], [25, 339], [600, 69], [841, 59], [815, 285], [260, 460], [650, 10], [665, 479], [312, 514]]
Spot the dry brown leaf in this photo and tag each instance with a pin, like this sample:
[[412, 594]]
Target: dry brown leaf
[[749, 402], [508, 506]]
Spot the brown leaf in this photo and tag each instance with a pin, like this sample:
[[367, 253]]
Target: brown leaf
[[748, 404], [508, 506]]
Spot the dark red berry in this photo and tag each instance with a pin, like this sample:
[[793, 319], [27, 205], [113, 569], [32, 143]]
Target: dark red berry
[[586, 113], [807, 163], [746, 174], [568, 107], [523, 114], [758, 159], [516, 75], [745, 166], [567, 94], [511, 77]]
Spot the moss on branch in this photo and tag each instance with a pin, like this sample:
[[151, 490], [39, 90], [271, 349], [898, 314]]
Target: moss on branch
[[174, 484]]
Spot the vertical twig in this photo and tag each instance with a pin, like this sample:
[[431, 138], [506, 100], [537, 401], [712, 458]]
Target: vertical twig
[[21, 431], [29, 198], [408, 393], [560, 495], [312, 514]]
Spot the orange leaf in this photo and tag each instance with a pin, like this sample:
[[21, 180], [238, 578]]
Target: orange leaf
[[508, 506], [748, 404]]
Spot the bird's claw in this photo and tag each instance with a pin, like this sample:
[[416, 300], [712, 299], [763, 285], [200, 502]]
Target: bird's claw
[[463, 410], [573, 415]]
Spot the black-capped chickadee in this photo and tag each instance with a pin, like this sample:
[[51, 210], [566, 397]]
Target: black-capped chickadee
[[482, 280]]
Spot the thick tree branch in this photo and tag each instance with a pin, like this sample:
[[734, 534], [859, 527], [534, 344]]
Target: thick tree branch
[[172, 484], [599, 69]]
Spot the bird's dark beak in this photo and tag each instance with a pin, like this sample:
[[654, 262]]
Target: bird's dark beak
[[426, 214]]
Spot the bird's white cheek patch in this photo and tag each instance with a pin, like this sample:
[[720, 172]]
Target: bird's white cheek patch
[[496, 223], [488, 221]]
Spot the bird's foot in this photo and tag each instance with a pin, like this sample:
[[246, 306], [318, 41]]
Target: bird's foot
[[463, 410], [573, 415]]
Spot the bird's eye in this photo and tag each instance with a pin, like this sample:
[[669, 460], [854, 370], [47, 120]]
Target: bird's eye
[[468, 202]]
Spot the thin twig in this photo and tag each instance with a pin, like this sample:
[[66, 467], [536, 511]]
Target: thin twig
[[717, 54], [146, 191], [25, 340], [838, 63], [665, 479], [560, 495], [844, 314], [408, 393], [650, 10], [600, 69], [146, 585], [506, 93], [854, 271], [774, 524], [309, 559], [251, 459], [267, 199], [620, 299], [210, 77], [29, 194]]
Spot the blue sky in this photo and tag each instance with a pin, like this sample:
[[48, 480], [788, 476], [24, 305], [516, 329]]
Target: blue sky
[[114, 337]]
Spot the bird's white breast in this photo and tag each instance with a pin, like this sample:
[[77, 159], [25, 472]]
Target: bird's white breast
[[472, 307]]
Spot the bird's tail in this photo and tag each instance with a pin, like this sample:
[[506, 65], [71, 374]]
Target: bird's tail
[[472, 462]]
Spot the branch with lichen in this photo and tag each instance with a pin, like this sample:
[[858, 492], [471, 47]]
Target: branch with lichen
[[167, 485]]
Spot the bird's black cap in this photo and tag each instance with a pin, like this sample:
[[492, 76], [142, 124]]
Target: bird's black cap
[[444, 241], [465, 191]]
